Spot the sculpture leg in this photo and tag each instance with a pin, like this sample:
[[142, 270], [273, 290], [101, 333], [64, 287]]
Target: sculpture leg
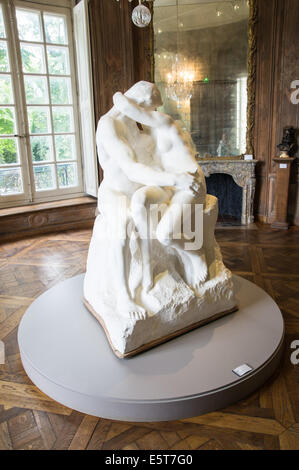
[[111, 203], [125, 305], [140, 207], [170, 226]]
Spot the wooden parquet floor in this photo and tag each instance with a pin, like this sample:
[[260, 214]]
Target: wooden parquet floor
[[268, 419]]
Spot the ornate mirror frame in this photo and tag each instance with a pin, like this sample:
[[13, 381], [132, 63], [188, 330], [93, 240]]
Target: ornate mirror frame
[[251, 80]]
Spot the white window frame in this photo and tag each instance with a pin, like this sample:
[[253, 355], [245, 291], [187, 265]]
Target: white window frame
[[16, 199], [30, 195], [86, 98]]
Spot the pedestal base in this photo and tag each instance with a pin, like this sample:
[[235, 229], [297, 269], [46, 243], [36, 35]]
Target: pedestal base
[[66, 354]]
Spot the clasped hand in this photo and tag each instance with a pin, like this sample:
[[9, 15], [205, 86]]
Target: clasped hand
[[188, 181]]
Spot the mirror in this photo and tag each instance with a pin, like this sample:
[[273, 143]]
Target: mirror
[[202, 70]]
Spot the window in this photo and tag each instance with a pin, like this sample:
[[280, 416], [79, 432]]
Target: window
[[40, 148]]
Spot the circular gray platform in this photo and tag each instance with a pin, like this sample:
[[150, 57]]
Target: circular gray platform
[[65, 353]]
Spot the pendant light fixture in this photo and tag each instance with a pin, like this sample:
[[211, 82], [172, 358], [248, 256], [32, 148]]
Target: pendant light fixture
[[141, 15]]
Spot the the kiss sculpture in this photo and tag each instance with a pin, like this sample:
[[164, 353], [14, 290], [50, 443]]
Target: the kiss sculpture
[[154, 268]]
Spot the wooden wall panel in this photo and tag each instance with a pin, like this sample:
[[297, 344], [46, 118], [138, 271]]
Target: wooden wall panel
[[288, 113], [264, 90], [121, 52], [112, 54], [277, 67], [26, 221]]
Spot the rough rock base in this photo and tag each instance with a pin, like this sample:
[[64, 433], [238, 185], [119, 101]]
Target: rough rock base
[[157, 341]]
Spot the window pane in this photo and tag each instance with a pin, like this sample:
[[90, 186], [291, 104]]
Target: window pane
[[55, 27], [44, 177], [6, 96], [29, 25], [65, 147], [41, 148], [67, 175], [8, 151], [2, 27], [33, 58], [63, 119], [36, 90], [7, 121], [10, 181], [61, 91], [4, 62], [39, 120], [58, 60]]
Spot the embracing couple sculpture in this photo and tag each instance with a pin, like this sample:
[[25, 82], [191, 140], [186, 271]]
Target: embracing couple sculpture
[[151, 282]]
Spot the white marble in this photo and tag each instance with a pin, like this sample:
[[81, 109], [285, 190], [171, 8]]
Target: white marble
[[148, 273]]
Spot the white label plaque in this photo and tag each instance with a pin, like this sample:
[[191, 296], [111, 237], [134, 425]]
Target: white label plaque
[[283, 165], [242, 370]]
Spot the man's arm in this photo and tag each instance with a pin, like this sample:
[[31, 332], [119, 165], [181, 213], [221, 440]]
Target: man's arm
[[119, 149], [137, 113]]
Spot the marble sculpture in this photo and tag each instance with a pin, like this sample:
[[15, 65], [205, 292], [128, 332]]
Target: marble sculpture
[[154, 268]]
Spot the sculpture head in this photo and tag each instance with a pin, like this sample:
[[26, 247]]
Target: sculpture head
[[145, 94]]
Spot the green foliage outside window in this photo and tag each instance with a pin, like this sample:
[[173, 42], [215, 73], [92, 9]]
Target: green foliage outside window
[[36, 93]]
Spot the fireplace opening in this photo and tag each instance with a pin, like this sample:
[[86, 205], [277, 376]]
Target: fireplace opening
[[229, 196]]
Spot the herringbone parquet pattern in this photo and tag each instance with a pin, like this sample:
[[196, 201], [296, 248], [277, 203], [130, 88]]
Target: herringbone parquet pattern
[[269, 419]]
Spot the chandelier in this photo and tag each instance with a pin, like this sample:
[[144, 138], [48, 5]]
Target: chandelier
[[179, 82], [141, 15], [179, 85]]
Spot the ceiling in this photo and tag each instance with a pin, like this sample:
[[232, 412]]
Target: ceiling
[[196, 14]]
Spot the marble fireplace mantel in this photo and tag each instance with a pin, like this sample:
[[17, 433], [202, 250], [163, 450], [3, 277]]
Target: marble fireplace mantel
[[243, 173]]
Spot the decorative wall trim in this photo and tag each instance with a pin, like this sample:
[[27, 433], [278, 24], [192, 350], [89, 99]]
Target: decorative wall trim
[[272, 181], [251, 80]]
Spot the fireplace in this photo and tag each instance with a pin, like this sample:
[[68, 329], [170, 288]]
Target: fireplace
[[242, 174], [229, 196]]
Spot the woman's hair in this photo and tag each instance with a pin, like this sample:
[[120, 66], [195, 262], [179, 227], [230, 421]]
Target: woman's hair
[[145, 94]]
